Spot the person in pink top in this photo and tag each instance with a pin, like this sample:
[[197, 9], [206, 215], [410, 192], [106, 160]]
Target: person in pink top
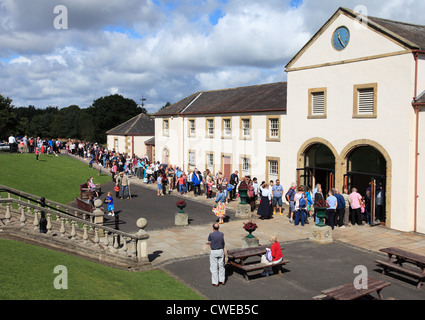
[[356, 203]]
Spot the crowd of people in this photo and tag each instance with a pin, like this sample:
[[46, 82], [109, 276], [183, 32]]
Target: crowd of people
[[344, 209]]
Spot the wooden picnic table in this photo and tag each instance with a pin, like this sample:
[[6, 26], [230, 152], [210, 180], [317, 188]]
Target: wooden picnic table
[[401, 257], [349, 292], [243, 254]]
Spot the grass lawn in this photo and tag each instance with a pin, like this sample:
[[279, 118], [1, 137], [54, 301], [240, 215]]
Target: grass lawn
[[51, 177], [27, 273]]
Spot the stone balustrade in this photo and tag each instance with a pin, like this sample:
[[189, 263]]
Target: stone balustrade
[[70, 233]]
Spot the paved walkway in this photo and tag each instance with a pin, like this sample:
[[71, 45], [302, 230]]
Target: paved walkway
[[177, 243]]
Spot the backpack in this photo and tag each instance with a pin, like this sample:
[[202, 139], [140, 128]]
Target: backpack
[[302, 203], [269, 255]]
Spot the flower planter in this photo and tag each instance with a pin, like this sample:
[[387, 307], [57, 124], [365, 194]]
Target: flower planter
[[243, 195], [321, 214]]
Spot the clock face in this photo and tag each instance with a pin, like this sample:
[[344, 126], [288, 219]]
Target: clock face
[[340, 38]]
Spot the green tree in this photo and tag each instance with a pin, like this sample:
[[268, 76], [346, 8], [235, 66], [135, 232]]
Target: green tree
[[107, 112], [8, 120], [66, 123]]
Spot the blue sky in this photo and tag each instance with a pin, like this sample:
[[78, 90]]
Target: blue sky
[[162, 50]]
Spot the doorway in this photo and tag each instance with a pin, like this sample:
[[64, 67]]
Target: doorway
[[366, 171], [319, 168]]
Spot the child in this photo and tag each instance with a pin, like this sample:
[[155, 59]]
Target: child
[[110, 201], [209, 188], [159, 180], [220, 211], [37, 152]]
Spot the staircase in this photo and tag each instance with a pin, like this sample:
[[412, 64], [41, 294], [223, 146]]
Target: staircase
[[28, 218]]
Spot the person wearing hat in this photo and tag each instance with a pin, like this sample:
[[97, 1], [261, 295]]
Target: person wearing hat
[[122, 180]]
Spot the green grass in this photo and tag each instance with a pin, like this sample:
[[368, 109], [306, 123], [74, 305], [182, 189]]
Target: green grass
[[27, 273], [54, 178]]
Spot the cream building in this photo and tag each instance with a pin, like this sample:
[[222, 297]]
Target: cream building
[[351, 116], [227, 130], [133, 137]]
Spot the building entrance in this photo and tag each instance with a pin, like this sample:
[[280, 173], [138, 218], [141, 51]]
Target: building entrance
[[366, 171], [319, 168]]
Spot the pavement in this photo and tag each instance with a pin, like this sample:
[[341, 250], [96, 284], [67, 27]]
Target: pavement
[[313, 267]]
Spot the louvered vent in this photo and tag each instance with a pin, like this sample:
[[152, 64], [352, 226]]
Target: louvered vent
[[366, 101], [318, 103]]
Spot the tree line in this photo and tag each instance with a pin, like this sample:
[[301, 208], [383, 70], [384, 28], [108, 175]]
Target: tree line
[[85, 124]]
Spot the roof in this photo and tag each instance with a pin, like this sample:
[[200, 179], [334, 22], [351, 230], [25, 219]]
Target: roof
[[420, 100], [142, 125], [257, 98], [150, 141], [408, 35], [415, 34]]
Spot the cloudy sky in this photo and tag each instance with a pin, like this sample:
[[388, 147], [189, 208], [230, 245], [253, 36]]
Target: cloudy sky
[[161, 50]]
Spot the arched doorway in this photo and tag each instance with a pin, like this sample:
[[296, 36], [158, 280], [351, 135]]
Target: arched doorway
[[165, 156], [367, 172], [318, 167]]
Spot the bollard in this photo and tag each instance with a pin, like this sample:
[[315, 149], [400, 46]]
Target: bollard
[[43, 220]]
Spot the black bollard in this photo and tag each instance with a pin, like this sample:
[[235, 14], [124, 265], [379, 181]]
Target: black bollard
[[43, 220]]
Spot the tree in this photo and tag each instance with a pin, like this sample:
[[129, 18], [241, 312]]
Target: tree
[[67, 123], [107, 112], [8, 120]]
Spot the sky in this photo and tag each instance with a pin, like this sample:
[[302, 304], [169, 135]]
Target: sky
[[72, 52]]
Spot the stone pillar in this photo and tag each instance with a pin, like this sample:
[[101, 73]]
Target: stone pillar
[[321, 235], [142, 241], [98, 213], [243, 211], [181, 219]]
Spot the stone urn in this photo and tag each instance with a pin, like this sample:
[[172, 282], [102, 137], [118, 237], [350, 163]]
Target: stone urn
[[243, 195], [321, 215], [181, 218]]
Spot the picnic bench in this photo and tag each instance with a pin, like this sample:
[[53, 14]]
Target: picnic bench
[[401, 257], [349, 292], [84, 205], [85, 191], [237, 258]]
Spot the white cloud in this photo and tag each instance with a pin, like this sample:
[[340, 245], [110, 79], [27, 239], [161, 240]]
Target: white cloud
[[163, 52]]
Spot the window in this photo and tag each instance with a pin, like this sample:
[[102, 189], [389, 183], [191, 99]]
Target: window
[[210, 161], [245, 165], [317, 103], [273, 128], [245, 126], [226, 127], [192, 128], [365, 101], [192, 158], [165, 128], [272, 168], [210, 128]]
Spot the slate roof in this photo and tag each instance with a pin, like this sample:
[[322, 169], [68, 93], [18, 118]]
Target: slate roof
[[140, 125], [414, 34], [257, 98], [420, 100]]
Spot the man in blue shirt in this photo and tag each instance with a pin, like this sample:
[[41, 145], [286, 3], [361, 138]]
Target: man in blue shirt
[[277, 191], [330, 212], [216, 244], [340, 209], [290, 198]]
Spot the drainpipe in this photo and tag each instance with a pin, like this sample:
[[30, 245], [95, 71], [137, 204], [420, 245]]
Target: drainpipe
[[416, 53], [183, 141]]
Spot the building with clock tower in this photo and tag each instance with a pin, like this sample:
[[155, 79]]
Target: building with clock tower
[[349, 116], [354, 117]]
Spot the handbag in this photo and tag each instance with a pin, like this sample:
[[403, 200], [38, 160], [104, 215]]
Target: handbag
[[269, 256]]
